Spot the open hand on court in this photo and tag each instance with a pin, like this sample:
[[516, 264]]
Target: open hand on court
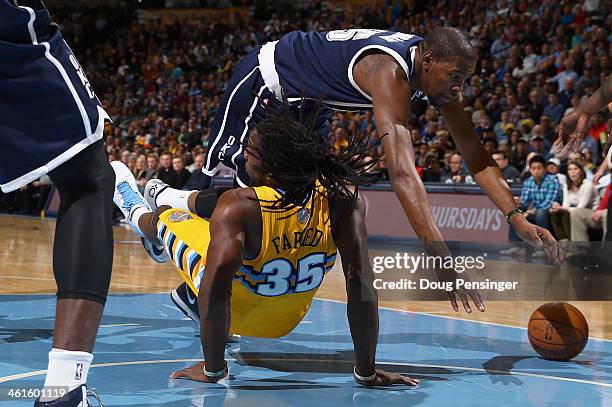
[[196, 373], [387, 379]]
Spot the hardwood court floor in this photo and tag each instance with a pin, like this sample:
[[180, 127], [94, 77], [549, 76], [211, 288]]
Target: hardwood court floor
[[26, 267]]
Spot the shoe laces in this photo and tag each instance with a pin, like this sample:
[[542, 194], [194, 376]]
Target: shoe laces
[[92, 393], [130, 197]]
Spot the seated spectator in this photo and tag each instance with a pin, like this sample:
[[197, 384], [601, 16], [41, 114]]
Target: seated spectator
[[197, 180], [181, 175], [421, 148], [578, 192], [590, 144], [340, 139], [367, 120], [490, 144], [583, 219], [140, 172], [526, 124], [501, 127], [446, 162], [456, 173], [579, 158], [537, 196], [566, 92], [537, 145], [529, 63], [554, 109], [566, 72], [599, 128], [535, 106], [509, 173], [548, 130], [152, 166], [553, 167], [165, 171], [588, 159], [518, 153], [431, 170]]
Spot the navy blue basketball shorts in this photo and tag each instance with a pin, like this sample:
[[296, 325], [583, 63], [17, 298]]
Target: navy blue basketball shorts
[[48, 110], [243, 105]]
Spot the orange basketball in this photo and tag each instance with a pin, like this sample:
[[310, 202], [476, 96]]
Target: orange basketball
[[558, 331]]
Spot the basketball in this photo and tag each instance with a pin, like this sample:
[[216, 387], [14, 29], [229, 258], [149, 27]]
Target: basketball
[[558, 331]]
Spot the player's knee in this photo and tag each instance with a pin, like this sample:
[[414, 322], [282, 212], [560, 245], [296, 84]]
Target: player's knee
[[78, 295], [205, 203]]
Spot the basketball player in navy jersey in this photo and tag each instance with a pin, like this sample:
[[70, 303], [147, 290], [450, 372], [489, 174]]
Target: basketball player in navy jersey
[[359, 69], [51, 122]]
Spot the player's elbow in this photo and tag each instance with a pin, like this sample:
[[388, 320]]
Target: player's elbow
[[404, 177]]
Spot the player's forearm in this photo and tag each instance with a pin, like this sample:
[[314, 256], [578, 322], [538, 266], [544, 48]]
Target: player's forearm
[[214, 305], [213, 331], [495, 186], [414, 200], [362, 312]]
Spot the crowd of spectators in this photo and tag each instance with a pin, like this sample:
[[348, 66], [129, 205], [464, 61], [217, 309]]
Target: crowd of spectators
[[162, 82]]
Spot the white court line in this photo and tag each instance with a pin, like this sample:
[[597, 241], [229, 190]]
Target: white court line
[[432, 314], [470, 369]]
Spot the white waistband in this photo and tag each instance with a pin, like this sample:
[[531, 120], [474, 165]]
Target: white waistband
[[267, 67]]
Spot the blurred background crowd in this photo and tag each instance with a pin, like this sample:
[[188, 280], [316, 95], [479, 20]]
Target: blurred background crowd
[[161, 80]]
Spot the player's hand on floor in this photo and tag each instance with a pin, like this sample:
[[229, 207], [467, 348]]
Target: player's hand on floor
[[387, 379], [196, 373]]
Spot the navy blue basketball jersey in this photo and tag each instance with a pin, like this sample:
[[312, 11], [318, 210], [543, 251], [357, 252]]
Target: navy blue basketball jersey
[[319, 65], [48, 109]]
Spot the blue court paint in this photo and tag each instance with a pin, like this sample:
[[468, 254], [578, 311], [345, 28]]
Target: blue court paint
[[143, 339]]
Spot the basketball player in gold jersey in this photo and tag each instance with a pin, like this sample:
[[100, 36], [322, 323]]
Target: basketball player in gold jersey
[[259, 261]]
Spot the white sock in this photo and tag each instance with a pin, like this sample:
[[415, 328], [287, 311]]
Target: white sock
[[135, 218], [174, 197], [66, 368]]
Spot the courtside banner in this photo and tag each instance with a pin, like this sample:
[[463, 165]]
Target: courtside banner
[[460, 217]]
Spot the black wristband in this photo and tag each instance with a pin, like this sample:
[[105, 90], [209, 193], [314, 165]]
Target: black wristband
[[512, 213]]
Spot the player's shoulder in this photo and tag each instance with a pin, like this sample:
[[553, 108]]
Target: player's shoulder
[[237, 202]]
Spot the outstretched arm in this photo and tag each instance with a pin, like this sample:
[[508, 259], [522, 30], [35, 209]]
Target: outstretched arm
[[223, 260], [381, 77], [573, 126], [351, 238]]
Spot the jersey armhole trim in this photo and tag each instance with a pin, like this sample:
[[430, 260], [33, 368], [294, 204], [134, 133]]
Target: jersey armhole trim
[[263, 243], [387, 50]]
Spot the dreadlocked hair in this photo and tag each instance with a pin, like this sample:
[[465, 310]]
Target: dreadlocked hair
[[293, 153]]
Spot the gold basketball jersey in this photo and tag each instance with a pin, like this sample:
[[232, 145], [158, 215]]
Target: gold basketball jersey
[[272, 292]]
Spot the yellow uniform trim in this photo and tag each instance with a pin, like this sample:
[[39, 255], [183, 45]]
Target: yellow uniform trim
[[272, 292]]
